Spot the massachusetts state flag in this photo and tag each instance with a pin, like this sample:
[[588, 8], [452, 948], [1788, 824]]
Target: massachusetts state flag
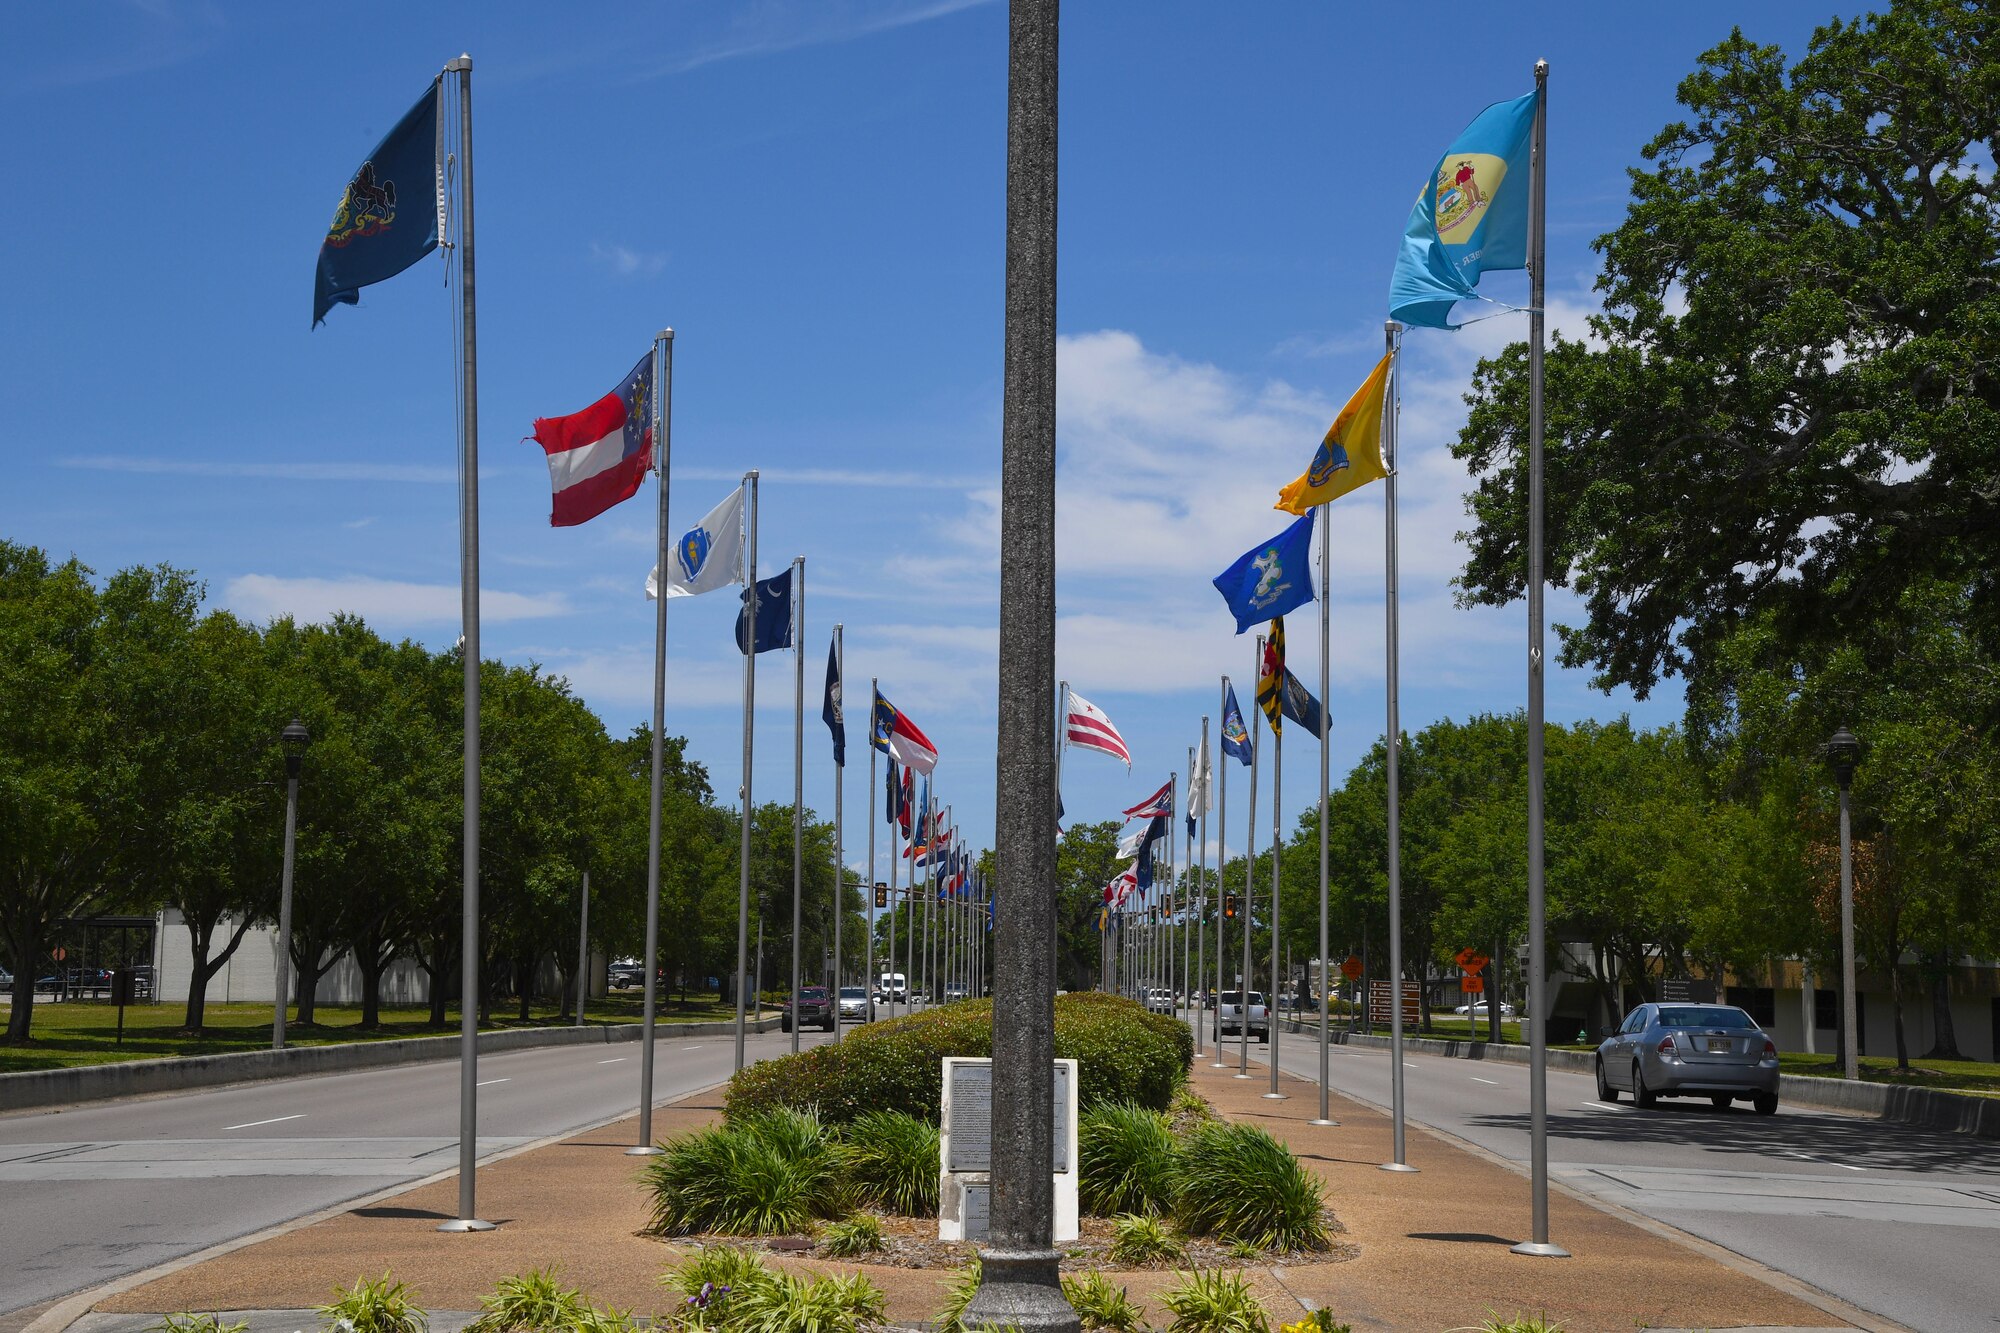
[[598, 456]]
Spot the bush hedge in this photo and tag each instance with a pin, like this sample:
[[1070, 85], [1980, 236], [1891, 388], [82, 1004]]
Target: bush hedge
[[1123, 1054]]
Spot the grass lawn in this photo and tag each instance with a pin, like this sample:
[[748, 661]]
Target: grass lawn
[[1978, 1076], [84, 1032]]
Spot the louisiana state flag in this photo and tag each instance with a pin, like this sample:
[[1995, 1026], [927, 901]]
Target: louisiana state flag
[[1351, 454], [1471, 216]]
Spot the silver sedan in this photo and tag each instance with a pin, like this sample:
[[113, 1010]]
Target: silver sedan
[[1690, 1050]]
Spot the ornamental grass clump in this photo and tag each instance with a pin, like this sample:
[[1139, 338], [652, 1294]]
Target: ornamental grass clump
[[1125, 1156], [1144, 1240], [537, 1302], [768, 1174], [895, 1161], [706, 1283], [1212, 1301], [1100, 1306], [784, 1303], [375, 1305], [860, 1234], [1240, 1184], [958, 1298]]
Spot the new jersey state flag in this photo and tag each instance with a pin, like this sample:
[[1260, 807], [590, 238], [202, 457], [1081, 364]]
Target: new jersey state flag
[[1351, 454], [1471, 216]]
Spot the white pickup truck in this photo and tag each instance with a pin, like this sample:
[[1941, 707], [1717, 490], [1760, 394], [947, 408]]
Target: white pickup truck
[[1229, 1014]]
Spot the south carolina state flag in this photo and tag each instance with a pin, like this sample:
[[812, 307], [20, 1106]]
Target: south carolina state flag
[[598, 457]]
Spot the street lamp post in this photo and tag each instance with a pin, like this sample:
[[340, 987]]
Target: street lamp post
[[1841, 753], [294, 739]]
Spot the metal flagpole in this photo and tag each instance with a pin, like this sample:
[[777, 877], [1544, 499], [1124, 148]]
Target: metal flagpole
[[1249, 891], [798, 781], [468, 528], [1201, 878], [749, 707], [583, 949], [868, 902], [1186, 897], [1397, 1129], [1221, 879], [663, 380], [839, 851], [895, 881], [1538, 1052], [1325, 1116], [1277, 847]]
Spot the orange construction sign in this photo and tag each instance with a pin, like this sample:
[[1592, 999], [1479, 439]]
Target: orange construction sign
[[1351, 968], [1472, 984], [1471, 959]]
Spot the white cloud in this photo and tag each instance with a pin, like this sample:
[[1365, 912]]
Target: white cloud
[[778, 25], [249, 468], [381, 602], [626, 262]]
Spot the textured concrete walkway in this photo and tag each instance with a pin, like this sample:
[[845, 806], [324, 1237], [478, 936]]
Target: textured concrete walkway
[[1433, 1245]]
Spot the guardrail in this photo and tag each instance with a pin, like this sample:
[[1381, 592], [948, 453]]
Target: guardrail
[[36, 1088], [1930, 1108]]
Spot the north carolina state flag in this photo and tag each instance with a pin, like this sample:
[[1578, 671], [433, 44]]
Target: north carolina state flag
[[598, 456]]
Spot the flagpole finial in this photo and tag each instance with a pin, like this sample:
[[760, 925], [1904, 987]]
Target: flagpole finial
[[751, 475], [664, 335], [461, 65], [1541, 71]]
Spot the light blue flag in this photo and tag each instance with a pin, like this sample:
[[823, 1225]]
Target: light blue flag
[[1471, 216], [1270, 578]]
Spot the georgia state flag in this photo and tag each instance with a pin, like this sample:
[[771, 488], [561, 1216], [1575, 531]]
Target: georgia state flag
[[598, 457]]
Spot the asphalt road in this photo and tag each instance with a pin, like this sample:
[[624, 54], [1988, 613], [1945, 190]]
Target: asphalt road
[[98, 1191], [1900, 1221]]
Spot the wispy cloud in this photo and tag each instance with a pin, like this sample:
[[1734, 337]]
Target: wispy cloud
[[626, 262], [786, 25], [381, 602], [914, 481], [247, 468]]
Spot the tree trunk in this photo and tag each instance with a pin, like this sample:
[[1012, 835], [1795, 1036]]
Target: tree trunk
[[1896, 999], [23, 995], [371, 962], [200, 936], [524, 982], [1944, 1040]]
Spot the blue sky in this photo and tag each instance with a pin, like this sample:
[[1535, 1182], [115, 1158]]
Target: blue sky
[[811, 195]]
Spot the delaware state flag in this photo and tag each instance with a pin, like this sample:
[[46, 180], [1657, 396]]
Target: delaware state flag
[[598, 457]]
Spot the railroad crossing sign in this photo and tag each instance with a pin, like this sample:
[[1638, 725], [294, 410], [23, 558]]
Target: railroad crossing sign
[[1351, 968]]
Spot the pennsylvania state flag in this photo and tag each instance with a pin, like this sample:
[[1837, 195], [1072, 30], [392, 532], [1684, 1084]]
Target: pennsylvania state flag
[[1351, 454], [388, 214], [1471, 216]]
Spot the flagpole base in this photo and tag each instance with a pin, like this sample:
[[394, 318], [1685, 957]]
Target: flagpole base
[[645, 1150], [1276, 1097], [1403, 1168], [1324, 1124], [465, 1224], [1539, 1250]]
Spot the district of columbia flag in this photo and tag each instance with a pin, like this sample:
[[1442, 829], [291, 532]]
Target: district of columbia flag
[[1159, 803], [1351, 454], [1087, 728], [598, 457], [708, 555]]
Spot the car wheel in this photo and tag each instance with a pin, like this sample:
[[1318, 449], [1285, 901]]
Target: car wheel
[[831, 1025], [1605, 1092], [1642, 1094], [1720, 1100], [1265, 1037], [1765, 1103], [784, 1025]]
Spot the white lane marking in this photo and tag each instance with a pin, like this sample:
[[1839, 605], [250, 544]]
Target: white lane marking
[[276, 1119], [1601, 1106], [487, 1083], [616, 1060], [1845, 1167], [1491, 1083], [690, 1048], [1408, 1065]]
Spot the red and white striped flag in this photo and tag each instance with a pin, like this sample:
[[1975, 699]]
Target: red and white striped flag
[[598, 457], [1086, 727]]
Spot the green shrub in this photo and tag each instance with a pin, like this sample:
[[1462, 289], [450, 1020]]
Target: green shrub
[[380, 1305], [186, 1322], [533, 1302], [767, 1174], [1318, 1320], [1101, 1306], [707, 1283], [860, 1234], [1239, 1183], [1520, 1323], [1215, 1302], [895, 1161], [1124, 1054], [783, 1303], [1144, 1240], [958, 1295], [1125, 1159]]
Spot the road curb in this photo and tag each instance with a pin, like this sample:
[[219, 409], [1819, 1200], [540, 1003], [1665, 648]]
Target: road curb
[[39, 1089], [1927, 1107]]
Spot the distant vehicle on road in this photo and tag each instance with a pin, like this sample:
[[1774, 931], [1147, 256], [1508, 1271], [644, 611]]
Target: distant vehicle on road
[[1479, 1010], [1230, 1015], [1690, 1050], [811, 1008], [893, 987], [626, 972], [1159, 1000], [856, 1005], [953, 992]]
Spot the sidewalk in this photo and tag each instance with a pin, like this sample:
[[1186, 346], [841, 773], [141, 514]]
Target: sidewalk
[[1433, 1245]]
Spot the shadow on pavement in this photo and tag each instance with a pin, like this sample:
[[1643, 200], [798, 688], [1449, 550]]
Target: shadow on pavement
[[1465, 1237], [1880, 1144]]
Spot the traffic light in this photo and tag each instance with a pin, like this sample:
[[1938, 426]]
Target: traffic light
[[1229, 906], [881, 894]]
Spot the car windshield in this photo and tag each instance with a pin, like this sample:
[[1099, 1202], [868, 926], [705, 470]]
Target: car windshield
[[1236, 997], [812, 992], [1703, 1016], [853, 993]]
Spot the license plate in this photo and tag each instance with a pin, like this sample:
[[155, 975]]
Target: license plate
[[1718, 1045]]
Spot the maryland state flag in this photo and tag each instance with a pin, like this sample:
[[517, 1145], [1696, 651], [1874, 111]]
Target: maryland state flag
[[1351, 454], [1271, 678], [389, 214]]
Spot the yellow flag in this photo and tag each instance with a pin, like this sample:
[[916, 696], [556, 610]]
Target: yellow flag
[[1351, 454]]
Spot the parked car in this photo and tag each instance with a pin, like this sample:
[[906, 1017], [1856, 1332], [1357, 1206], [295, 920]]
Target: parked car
[[953, 992], [856, 1005], [1159, 1000], [1230, 1015], [1690, 1050], [626, 972], [1479, 1010], [893, 987], [811, 1008]]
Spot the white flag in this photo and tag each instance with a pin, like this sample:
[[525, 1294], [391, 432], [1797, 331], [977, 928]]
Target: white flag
[[708, 555], [1199, 799]]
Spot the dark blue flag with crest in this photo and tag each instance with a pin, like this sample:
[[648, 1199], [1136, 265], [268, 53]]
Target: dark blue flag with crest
[[1272, 577], [388, 215], [1236, 740], [774, 614], [830, 711]]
